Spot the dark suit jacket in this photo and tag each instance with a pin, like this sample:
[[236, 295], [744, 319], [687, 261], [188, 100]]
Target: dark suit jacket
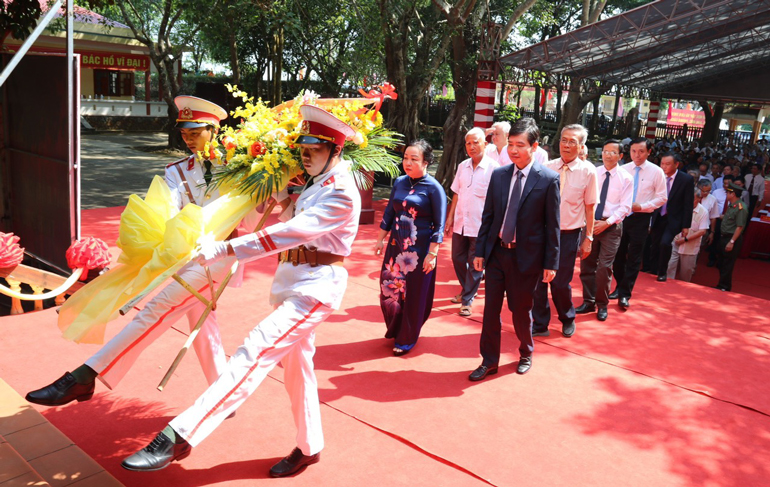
[[679, 203], [537, 221]]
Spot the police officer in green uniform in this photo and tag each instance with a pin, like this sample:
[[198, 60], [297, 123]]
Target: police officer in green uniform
[[733, 222]]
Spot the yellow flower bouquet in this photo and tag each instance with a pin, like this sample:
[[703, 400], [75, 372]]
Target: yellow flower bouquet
[[259, 156]]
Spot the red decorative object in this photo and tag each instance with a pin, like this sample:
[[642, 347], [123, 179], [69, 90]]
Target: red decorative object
[[88, 253], [11, 254], [386, 91]]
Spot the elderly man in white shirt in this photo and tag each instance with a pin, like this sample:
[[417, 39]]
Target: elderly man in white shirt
[[578, 190], [711, 205], [615, 199], [649, 194], [498, 149], [684, 253], [464, 215]]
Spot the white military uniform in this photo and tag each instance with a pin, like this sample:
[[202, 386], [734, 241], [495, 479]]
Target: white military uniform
[[116, 357], [325, 217]]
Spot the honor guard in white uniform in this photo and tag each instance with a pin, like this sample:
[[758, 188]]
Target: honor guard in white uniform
[[198, 121], [315, 236]]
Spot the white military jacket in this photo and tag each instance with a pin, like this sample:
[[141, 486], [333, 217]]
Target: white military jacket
[[324, 217], [185, 180]]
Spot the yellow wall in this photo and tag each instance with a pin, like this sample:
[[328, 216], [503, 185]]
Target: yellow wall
[[87, 82]]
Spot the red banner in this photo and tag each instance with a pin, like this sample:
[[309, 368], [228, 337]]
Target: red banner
[[114, 60], [680, 116]]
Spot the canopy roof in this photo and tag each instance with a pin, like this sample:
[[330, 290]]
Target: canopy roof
[[713, 49]]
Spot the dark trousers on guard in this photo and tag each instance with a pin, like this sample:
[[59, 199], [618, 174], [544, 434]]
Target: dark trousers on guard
[[596, 269], [629, 257], [503, 278], [714, 247], [726, 261], [561, 290], [463, 252]]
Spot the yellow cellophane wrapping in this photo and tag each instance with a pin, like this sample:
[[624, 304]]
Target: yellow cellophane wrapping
[[156, 239]]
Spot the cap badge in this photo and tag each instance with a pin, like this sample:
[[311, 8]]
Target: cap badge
[[305, 127], [186, 114]]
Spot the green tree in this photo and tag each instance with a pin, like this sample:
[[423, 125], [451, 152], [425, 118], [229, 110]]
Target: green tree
[[166, 27]]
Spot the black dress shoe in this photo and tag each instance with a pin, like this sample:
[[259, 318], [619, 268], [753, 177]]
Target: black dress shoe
[[568, 330], [158, 454], [525, 363], [65, 389], [585, 308], [661, 279], [623, 303], [482, 371], [541, 333], [601, 315], [614, 294], [294, 463]]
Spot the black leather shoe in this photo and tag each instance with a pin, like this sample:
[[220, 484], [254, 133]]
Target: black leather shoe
[[585, 308], [525, 363], [568, 330], [158, 454], [542, 333], [482, 371], [661, 279], [294, 463], [601, 315], [623, 303], [65, 389], [614, 294]]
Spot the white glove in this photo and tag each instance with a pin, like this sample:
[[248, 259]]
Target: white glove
[[211, 251], [281, 195]]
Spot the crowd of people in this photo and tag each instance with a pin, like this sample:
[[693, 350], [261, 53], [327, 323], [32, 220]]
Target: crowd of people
[[517, 220]]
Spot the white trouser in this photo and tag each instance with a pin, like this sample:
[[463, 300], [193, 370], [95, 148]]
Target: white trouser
[[287, 336], [116, 357]]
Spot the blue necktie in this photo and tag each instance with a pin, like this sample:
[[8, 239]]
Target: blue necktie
[[603, 196], [636, 182], [509, 229]]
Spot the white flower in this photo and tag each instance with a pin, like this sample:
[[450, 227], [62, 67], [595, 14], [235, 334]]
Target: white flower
[[407, 261], [358, 139]]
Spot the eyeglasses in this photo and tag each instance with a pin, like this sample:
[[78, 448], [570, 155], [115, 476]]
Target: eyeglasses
[[569, 142]]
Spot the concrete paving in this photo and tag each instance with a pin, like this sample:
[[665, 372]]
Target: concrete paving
[[113, 168]]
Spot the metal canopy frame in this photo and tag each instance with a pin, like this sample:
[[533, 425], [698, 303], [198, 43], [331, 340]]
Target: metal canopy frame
[[671, 47]]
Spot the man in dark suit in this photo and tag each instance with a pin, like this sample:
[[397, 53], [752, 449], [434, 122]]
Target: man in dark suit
[[674, 217], [519, 242]]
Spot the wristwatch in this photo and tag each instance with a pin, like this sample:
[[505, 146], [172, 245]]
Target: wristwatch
[[590, 238], [732, 241]]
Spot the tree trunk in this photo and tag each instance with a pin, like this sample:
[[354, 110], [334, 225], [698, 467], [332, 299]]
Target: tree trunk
[[536, 111], [454, 137], [559, 91], [711, 127], [234, 63], [595, 118]]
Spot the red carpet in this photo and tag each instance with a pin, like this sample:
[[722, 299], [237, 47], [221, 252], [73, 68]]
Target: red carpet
[[671, 393]]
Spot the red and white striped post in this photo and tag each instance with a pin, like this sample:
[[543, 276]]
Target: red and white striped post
[[652, 120], [485, 104]]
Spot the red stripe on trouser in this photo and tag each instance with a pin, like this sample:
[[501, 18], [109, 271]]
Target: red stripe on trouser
[[251, 369], [149, 330]]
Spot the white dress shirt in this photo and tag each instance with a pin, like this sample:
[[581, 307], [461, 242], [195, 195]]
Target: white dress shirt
[[759, 185], [700, 221], [525, 173], [651, 193], [500, 157], [720, 195], [540, 156], [619, 194], [711, 205], [470, 185], [578, 188]]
